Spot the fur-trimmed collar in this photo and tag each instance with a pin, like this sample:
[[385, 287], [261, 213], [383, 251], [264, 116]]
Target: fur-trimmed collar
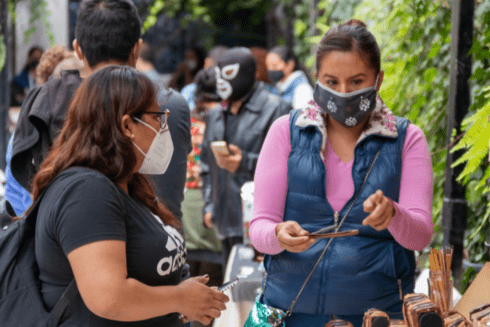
[[381, 122]]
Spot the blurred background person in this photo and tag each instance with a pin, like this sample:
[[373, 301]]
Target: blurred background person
[[187, 69], [286, 74], [261, 72], [205, 94], [51, 63], [71, 62], [188, 92], [180, 129], [203, 247], [22, 83], [145, 64], [247, 111]]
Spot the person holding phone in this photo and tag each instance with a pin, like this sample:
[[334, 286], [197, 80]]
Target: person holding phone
[[240, 124], [99, 220], [312, 169]]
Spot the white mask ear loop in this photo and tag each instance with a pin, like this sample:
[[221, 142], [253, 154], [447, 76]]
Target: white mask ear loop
[[142, 122], [376, 85], [137, 147]]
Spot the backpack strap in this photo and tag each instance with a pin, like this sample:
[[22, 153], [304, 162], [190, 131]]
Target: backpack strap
[[71, 291], [66, 298]]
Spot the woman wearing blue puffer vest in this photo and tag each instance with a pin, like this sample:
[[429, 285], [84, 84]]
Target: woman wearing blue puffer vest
[[306, 181]]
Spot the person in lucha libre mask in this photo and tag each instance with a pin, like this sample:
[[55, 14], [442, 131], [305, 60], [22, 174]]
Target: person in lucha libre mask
[[235, 74], [240, 124]]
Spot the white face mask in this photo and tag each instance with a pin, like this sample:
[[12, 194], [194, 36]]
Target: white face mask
[[160, 153]]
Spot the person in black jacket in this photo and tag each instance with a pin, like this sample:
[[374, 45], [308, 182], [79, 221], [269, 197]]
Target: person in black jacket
[[108, 32], [246, 114]]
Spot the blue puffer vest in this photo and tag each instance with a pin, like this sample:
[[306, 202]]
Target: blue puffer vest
[[288, 93], [370, 270]]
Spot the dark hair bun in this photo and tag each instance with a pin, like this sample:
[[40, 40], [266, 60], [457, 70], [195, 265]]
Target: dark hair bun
[[354, 22], [206, 85], [352, 35]]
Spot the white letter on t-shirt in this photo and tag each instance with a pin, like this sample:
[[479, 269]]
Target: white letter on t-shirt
[[160, 270]]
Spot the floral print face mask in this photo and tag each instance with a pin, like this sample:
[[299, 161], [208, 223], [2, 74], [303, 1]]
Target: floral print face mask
[[349, 109]]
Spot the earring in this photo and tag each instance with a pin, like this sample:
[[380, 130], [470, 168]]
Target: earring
[[132, 136]]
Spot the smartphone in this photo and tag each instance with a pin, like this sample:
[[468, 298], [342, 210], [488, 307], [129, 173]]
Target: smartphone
[[228, 285], [220, 147], [335, 234]]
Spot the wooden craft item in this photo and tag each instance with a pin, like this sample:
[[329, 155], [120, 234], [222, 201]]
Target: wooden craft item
[[397, 323], [339, 323], [455, 319], [375, 318]]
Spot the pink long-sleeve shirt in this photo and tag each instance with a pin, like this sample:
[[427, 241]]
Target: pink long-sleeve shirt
[[412, 224]]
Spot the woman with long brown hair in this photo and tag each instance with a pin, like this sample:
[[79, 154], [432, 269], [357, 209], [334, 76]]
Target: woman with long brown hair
[[99, 220]]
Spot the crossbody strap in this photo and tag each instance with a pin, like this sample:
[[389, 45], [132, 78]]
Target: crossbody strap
[[65, 299], [71, 291], [290, 310]]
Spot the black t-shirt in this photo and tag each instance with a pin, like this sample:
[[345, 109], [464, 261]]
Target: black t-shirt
[[83, 206]]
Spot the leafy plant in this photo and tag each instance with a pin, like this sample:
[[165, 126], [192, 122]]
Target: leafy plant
[[38, 12], [475, 142], [213, 12], [3, 52]]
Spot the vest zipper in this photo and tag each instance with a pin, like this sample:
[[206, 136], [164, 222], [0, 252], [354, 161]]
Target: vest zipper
[[336, 218], [400, 289]]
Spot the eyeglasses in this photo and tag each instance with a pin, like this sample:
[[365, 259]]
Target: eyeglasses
[[162, 117]]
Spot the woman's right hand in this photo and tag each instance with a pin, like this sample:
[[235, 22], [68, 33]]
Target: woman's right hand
[[200, 302], [292, 237]]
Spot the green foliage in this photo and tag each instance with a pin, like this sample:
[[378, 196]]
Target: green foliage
[[327, 13], [475, 142], [468, 278], [214, 12], [39, 12], [3, 52], [169, 7]]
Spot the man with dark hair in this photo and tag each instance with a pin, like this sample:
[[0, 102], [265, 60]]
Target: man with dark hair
[[107, 33]]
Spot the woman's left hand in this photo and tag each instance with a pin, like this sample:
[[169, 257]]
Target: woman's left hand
[[381, 211]]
